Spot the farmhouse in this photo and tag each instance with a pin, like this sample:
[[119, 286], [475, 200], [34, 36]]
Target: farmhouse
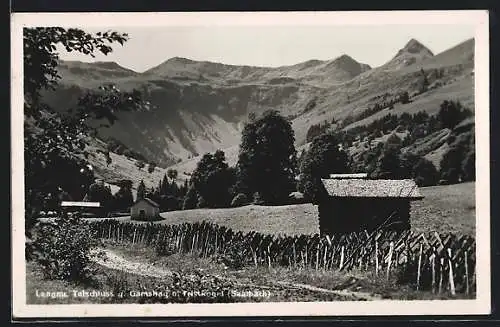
[[352, 202], [145, 209]]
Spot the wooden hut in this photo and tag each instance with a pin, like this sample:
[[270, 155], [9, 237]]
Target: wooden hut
[[352, 202], [145, 209]]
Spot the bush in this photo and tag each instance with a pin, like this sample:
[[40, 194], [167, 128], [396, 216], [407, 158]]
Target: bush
[[297, 198], [257, 199], [63, 247], [239, 200]]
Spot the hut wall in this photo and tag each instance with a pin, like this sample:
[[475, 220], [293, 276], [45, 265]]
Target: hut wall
[[344, 215]]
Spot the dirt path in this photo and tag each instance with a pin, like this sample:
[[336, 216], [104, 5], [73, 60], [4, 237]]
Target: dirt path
[[110, 259]]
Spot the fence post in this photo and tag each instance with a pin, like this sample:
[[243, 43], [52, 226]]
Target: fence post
[[466, 273], [294, 255], [324, 257], [341, 258], [452, 282], [441, 266], [419, 265], [317, 256], [433, 272], [391, 248]]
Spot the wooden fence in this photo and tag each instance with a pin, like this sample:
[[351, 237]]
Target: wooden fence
[[428, 261]]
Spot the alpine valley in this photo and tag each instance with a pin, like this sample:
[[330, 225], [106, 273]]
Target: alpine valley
[[195, 107]]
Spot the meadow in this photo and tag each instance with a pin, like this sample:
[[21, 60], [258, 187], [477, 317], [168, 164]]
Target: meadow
[[445, 208], [138, 266]]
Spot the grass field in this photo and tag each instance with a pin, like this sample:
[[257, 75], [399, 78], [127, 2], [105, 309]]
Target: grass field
[[447, 208]]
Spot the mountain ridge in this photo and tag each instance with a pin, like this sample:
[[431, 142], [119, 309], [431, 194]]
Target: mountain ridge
[[198, 107]]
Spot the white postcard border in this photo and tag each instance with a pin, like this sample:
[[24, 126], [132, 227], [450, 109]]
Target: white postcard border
[[481, 305]]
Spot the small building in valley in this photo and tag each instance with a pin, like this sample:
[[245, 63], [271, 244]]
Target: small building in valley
[[145, 209], [353, 202]]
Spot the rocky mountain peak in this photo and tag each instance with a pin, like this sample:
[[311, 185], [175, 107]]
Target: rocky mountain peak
[[414, 46]]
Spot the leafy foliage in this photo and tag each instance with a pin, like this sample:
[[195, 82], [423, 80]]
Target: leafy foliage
[[316, 130], [323, 158], [151, 167], [41, 58], [213, 180], [239, 200], [404, 97], [123, 199], [267, 161], [98, 192], [172, 173], [55, 143], [425, 173], [141, 191], [451, 113], [62, 248]]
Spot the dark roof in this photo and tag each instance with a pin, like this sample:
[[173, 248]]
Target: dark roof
[[372, 188], [350, 176], [148, 200]]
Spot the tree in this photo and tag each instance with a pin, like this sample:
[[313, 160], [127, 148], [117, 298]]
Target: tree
[[141, 191], [451, 165], [98, 192], [212, 180], [172, 174], [451, 113], [404, 97], [190, 200], [390, 165], [323, 158], [393, 142], [41, 58], [53, 142], [424, 84], [124, 198], [239, 200], [151, 167], [267, 161], [140, 164], [469, 166], [425, 173]]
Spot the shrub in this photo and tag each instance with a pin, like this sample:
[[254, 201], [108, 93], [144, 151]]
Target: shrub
[[140, 164], [63, 247], [239, 200], [257, 199]]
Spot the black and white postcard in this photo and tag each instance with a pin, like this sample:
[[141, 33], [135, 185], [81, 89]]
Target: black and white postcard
[[250, 164]]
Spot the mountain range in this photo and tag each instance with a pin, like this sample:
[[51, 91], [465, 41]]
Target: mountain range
[[198, 106]]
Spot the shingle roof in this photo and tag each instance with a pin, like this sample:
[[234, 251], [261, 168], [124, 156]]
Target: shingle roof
[[148, 200], [372, 188]]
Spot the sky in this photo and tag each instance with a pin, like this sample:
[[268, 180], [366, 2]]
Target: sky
[[272, 46]]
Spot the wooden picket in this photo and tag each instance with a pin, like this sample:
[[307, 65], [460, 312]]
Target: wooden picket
[[429, 260]]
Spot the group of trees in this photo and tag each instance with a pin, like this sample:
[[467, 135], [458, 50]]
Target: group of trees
[[458, 163], [323, 158], [265, 172], [211, 184], [268, 168], [388, 161], [168, 194], [316, 130]]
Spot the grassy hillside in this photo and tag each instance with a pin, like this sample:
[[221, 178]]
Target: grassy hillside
[[198, 107], [449, 208]]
